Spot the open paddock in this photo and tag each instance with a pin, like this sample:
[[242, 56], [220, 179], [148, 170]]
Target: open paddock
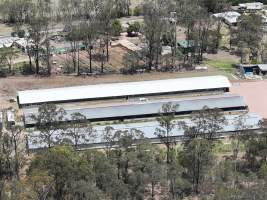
[[114, 64]]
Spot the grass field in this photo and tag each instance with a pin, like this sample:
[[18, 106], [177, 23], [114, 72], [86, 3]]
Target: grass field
[[225, 146], [224, 65]]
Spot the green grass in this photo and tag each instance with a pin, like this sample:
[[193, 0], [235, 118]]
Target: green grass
[[18, 67], [226, 147], [221, 147], [224, 65]]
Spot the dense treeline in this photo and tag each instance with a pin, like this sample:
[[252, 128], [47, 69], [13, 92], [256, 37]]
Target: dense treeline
[[200, 166], [93, 23], [141, 172]]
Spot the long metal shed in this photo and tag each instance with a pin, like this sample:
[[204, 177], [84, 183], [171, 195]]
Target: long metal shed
[[122, 90], [250, 122], [149, 109]]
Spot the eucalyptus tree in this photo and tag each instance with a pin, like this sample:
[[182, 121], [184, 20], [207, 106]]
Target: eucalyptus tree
[[152, 168], [109, 138], [249, 35], [241, 132], [71, 13], [49, 124], [122, 8], [167, 124], [48, 13], [155, 13], [79, 130], [90, 28], [255, 149], [70, 10], [186, 14], [38, 26], [197, 159], [16, 11], [197, 155], [11, 54], [8, 54], [105, 17], [105, 175], [38, 184], [70, 174], [131, 63], [75, 37], [206, 123], [6, 159], [215, 6], [122, 151], [17, 141]]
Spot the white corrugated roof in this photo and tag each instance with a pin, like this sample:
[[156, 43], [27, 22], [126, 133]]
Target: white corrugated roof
[[263, 67], [122, 89], [7, 41], [230, 17], [252, 5], [129, 45], [10, 116]]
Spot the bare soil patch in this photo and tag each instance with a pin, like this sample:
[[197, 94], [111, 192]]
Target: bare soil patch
[[115, 63], [255, 93], [223, 55]]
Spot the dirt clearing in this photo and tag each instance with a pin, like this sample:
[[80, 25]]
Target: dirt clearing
[[255, 94]]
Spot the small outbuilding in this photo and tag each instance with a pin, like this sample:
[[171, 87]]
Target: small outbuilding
[[230, 18], [23, 44], [249, 68], [263, 69], [10, 118], [253, 6], [6, 42], [253, 69], [187, 45]]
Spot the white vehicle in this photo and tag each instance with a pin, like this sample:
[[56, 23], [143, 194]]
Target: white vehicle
[[10, 117], [143, 100]]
